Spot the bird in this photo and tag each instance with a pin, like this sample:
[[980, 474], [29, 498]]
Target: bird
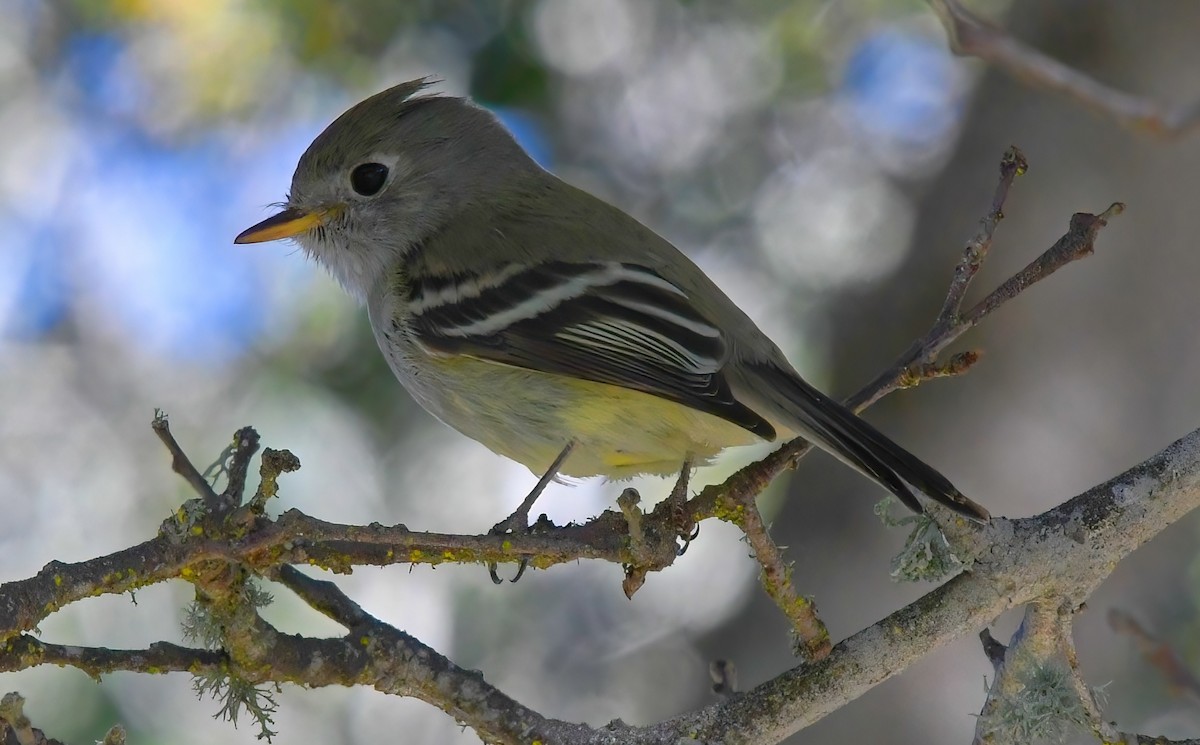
[[544, 322]]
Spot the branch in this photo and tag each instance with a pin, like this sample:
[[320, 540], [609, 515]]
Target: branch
[[915, 364], [970, 36], [180, 463], [1064, 552], [1175, 671], [811, 638], [26, 651], [17, 729], [394, 662], [245, 445], [1038, 694]]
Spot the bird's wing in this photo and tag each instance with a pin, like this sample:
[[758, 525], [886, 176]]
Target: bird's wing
[[605, 321]]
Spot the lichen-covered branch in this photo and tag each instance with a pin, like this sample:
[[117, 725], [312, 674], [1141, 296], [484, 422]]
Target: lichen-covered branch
[[1062, 553], [25, 651], [811, 638], [1065, 553], [1039, 694]]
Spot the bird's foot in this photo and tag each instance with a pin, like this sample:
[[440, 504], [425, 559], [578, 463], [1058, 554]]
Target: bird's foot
[[515, 524], [518, 521], [687, 529]]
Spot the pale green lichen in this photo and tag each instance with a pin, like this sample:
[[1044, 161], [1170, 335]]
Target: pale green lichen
[[185, 522], [237, 695], [926, 554], [1044, 708]]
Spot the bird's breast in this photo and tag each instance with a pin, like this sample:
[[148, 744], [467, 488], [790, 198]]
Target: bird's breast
[[529, 415]]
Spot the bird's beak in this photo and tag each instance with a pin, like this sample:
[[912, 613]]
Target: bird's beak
[[287, 224]]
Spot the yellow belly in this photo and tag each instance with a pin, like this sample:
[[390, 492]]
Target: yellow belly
[[530, 416]]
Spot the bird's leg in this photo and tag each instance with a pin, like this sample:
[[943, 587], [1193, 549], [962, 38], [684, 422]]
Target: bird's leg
[[518, 521], [688, 529]]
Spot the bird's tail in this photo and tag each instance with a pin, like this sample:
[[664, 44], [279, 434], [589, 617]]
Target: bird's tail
[[833, 427]]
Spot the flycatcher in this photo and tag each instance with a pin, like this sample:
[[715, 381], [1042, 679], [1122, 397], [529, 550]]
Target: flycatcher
[[542, 321]]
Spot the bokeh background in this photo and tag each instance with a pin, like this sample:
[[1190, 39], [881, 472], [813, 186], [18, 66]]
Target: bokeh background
[[824, 161]]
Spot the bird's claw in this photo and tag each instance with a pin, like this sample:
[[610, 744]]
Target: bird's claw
[[517, 522], [687, 539]]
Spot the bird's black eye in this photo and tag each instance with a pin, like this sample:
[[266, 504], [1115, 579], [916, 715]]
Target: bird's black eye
[[367, 179]]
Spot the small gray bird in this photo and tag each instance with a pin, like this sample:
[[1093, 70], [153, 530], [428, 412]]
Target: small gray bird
[[543, 322]]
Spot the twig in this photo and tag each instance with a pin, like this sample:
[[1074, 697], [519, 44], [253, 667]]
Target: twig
[[274, 463], [811, 638], [1078, 242], [14, 722], [970, 36], [919, 361], [636, 570], [1089, 697], [1179, 677], [180, 463], [323, 596], [734, 501], [993, 649], [1039, 688], [377, 654], [1012, 164], [959, 363], [245, 445], [158, 658], [724, 677], [301, 539]]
